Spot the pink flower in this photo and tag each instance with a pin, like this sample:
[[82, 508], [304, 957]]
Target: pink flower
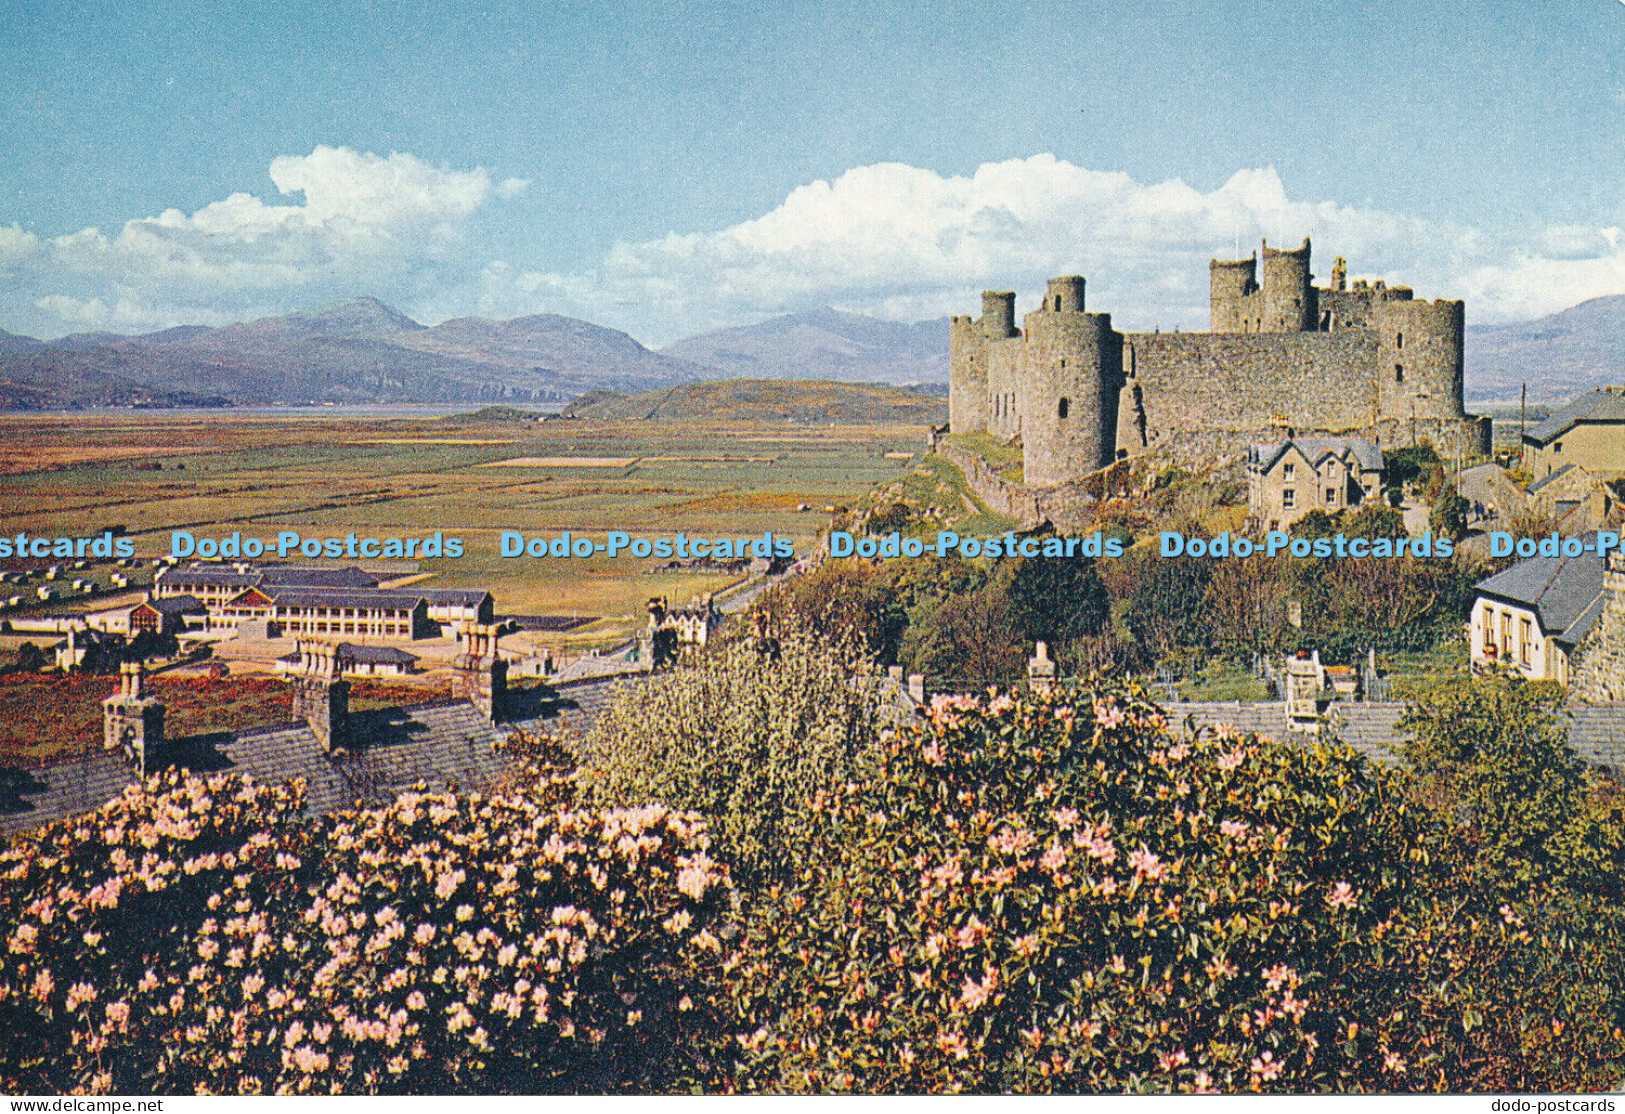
[[953, 1044], [1147, 865], [1266, 1066], [1341, 897], [973, 994], [695, 876]]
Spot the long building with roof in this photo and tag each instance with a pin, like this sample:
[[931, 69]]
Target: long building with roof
[[1590, 432], [304, 599]]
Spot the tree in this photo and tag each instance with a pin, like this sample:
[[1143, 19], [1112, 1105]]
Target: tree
[[745, 738], [1055, 600], [1059, 895], [204, 936], [1448, 519]]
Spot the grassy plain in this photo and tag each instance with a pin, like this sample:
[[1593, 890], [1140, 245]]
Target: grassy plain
[[327, 476]]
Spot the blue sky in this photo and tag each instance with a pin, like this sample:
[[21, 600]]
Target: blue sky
[[670, 168]]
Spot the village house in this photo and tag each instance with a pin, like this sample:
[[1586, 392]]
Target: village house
[[1532, 618], [1590, 432], [1288, 479]]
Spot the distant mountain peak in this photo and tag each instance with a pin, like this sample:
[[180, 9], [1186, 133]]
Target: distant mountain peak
[[357, 316]]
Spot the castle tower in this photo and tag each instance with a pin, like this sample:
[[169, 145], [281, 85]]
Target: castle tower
[[1130, 440], [1231, 286], [1289, 301], [998, 314], [967, 376], [973, 404], [1065, 294], [1419, 358], [1072, 368], [482, 674], [133, 722], [1006, 393], [321, 695]]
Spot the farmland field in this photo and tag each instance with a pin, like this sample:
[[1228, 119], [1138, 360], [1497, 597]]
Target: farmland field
[[327, 476]]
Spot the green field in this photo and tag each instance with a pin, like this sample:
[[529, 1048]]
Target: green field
[[328, 477]]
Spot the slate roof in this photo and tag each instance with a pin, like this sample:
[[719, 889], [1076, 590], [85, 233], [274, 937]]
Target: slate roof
[[1600, 405], [222, 575], [322, 597], [1368, 727], [1317, 449], [360, 653], [309, 576], [183, 604], [1596, 731], [466, 596], [1565, 593], [443, 745]]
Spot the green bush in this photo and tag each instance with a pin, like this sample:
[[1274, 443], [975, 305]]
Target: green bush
[[747, 736], [1058, 895], [202, 937]]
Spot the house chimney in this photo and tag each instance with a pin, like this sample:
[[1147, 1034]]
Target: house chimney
[[482, 674], [133, 722], [321, 695]]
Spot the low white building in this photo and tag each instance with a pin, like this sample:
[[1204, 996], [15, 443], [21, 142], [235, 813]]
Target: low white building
[[1532, 617]]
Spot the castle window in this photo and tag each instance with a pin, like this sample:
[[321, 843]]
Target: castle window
[[1399, 340], [1057, 302], [1399, 373], [1060, 410]]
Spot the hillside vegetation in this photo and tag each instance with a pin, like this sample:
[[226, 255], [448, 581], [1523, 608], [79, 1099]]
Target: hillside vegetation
[[813, 402]]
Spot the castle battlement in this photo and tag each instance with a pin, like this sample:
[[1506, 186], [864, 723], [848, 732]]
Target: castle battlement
[[1281, 353]]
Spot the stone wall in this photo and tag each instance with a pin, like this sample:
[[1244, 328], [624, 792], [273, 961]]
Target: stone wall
[[1232, 381], [1002, 496], [1599, 661]]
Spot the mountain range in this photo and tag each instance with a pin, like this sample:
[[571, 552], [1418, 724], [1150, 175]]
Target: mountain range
[[1560, 356], [363, 351]]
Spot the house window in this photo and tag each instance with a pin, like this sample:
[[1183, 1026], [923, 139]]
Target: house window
[[1557, 446], [1060, 410], [1286, 471], [1523, 644], [1289, 498], [1331, 496]]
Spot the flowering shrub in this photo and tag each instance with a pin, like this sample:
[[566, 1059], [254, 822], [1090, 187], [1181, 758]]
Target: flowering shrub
[[199, 936], [1058, 894], [747, 736]]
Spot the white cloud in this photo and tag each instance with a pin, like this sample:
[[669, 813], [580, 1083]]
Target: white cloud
[[366, 224], [902, 242], [889, 239]]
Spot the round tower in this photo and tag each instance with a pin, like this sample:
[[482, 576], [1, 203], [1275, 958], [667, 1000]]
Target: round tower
[[1288, 294], [1065, 295], [1072, 367], [998, 314], [1419, 357], [967, 376], [1229, 283]]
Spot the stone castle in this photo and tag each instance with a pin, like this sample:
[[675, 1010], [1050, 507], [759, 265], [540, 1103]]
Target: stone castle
[[1283, 358]]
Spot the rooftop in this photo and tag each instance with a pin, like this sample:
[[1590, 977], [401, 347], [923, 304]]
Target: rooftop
[[1565, 593], [1605, 404]]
